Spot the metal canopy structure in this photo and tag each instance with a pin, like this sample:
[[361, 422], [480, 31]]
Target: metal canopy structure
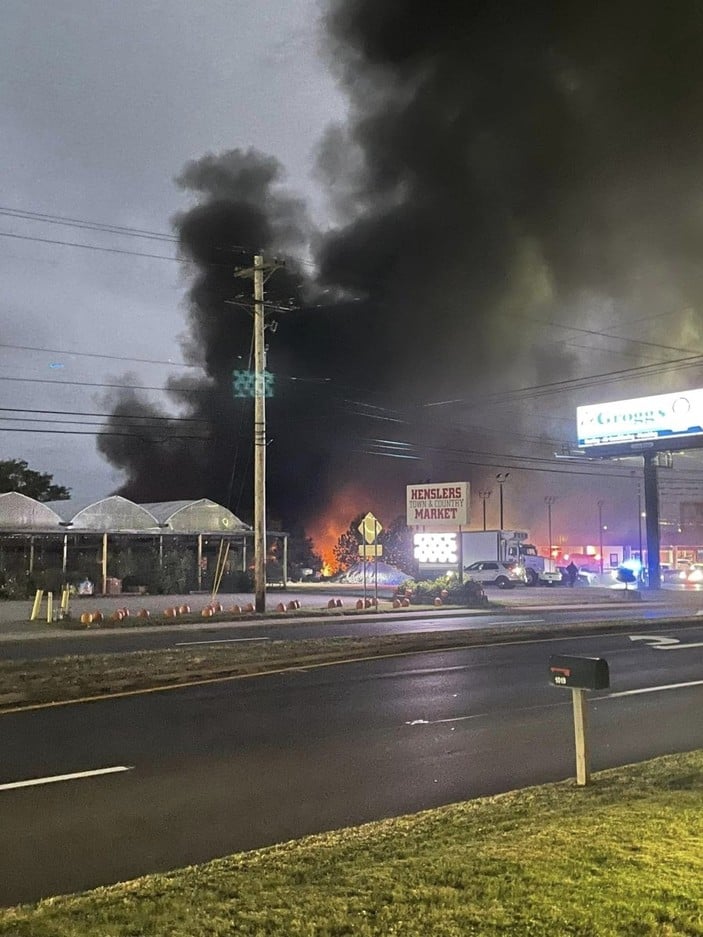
[[115, 516]]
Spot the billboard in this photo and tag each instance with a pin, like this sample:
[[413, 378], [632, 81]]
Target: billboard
[[663, 421], [438, 506]]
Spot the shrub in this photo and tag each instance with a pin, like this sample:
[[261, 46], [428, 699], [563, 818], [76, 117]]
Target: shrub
[[469, 593]]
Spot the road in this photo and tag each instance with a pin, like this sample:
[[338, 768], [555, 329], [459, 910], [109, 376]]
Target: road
[[204, 771], [34, 647]]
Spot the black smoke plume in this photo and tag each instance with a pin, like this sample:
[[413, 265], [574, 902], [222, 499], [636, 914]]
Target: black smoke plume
[[517, 202]]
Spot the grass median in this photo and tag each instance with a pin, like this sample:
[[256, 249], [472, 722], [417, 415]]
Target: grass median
[[622, 857], [61, 679], [65, 679]]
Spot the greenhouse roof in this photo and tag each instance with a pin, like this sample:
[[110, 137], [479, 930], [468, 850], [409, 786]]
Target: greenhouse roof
[[19, 512], [115, 514], [203, 515]]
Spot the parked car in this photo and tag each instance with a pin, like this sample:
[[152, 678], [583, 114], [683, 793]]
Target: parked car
[[492, 572]]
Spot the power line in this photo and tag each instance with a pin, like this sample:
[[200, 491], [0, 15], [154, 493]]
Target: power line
[[107, 227], [91, 354], [538, 390], [125, 416], [121, 230], [44, 380], [78, 432], [89, 247]]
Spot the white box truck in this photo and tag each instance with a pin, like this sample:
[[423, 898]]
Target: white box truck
[[509, 546]]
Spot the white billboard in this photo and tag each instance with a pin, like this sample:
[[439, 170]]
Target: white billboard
[[661, 417], [438, 506]]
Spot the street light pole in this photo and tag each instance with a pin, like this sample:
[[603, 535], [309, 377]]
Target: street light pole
[[484, 496], [502, 478], [549, 501], [600, 533]]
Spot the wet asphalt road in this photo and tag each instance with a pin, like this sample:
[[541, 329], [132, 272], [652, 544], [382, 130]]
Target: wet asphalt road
[[208, 770]]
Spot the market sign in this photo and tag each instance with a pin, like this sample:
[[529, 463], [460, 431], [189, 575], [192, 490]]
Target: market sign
[[643, 422], [438, 506]]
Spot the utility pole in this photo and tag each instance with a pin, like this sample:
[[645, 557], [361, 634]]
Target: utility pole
[[259, 439], [259, 391]]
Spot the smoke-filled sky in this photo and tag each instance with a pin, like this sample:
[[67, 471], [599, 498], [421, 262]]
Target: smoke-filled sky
[[487, 217]]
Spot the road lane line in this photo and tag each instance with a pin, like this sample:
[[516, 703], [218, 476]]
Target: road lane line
[[76, 775], [220, 641], [653, 689], [231, 678]]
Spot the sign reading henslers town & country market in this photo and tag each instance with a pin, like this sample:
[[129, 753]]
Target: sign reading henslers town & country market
[[438, 506]]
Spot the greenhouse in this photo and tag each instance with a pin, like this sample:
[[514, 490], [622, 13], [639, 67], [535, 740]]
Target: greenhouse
[[116, 545]]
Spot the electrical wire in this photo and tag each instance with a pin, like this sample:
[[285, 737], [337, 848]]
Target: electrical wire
[[94, 354], [123, 416]]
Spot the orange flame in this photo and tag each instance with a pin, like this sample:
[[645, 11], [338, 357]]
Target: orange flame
[[327, 529]]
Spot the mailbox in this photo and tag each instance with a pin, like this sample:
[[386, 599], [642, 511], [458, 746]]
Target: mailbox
[[586, 673]]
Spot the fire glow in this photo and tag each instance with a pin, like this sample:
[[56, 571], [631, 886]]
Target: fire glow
[[346, 504]]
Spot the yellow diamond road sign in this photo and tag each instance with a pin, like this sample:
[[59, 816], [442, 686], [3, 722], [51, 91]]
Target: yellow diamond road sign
[[369, 528]]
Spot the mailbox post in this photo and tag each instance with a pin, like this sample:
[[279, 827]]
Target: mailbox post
[[580, 674]]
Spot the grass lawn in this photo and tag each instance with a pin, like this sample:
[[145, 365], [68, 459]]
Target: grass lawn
[[622, 857]]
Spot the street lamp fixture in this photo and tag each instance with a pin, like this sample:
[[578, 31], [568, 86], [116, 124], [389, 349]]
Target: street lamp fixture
[[484, 496]]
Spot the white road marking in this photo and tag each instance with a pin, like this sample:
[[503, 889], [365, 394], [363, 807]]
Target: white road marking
[[34, 782], [661, 643], [653, 689], [221, 641]]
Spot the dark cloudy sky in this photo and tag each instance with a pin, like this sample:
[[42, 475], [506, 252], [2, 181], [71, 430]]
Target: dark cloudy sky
[[503, 197]]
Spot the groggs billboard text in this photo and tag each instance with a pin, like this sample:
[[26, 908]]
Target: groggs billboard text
[[438, 506], [662, 421]]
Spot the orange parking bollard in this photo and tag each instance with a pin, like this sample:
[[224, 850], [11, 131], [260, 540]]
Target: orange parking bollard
[[236, 610], [143, 613], [438, 601], [359, 603], [405, 602], [207, 612], [97, 616], [184, 610], [86, 618], [332, 603], [117, 615]]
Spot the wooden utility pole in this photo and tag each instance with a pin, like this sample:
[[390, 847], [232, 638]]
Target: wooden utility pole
[[259, 438], [259, 391]]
